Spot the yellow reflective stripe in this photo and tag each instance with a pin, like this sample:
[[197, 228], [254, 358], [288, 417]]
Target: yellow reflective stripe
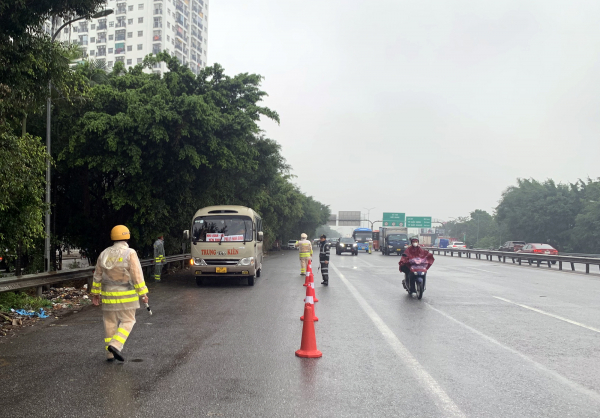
[[127, 292], [124, 332], [142, 292], [95, 291], [142, 284], [119, 339], [107, 340], [119, 300], [106, 347], [97, 284]]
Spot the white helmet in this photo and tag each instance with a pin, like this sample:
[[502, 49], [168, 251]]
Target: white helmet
[[303, 236]]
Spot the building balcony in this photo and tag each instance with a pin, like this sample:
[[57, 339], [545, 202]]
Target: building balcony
[[101, 26], [121, 25]]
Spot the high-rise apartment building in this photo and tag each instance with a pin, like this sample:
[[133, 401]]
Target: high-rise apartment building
[[141, 27]]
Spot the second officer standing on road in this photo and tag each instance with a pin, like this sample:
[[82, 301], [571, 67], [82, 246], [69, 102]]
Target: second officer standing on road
[[159, 257], [324, 248]]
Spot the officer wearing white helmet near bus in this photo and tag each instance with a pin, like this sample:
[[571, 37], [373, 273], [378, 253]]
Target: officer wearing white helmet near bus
[[118, 284], [306, 251]]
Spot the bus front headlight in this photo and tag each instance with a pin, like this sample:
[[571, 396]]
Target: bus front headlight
[[199, 261], [246, 261]]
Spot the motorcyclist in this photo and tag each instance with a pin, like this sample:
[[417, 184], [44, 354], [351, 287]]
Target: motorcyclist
[[413, 251]]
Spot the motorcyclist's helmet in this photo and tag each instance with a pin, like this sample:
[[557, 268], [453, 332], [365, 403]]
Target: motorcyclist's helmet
[[414, 241]]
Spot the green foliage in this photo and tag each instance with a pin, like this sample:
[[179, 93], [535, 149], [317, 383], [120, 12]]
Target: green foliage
[[20, 300], [18, 17], [22, 167], [540, 212], [148, 151], [566, 216]]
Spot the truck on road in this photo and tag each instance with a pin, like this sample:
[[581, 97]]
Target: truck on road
[[393, 240]]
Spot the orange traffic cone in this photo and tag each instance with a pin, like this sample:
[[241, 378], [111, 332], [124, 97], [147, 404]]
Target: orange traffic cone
[[308, 346], [307, 278], [310, 299], [310, 291], [309, 274]]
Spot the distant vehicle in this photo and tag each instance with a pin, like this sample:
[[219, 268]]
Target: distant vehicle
[[393, 240], [457, 244], [512, 246], [441, 243], [376, 240], [346, 245], [362, 236], [291, 244], [538, 249]]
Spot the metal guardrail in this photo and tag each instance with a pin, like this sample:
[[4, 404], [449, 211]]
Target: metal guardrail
[[43, 279], [518, 258]]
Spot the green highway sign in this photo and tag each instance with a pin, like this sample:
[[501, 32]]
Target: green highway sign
[[393, 219], [418, 221]]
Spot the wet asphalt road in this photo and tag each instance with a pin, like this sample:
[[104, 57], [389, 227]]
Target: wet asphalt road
[[487, 340]]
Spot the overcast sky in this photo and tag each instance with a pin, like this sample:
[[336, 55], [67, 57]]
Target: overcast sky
[[429, 107]]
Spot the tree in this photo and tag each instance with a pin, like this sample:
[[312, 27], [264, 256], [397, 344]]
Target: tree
[[148, 151], [540, 212], [22, 166]]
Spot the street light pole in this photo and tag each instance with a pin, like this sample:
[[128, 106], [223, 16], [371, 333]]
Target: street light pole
[[49, 140], [369, 214]]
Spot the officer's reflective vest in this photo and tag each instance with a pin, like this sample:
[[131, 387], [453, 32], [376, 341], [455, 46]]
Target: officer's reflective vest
[[305, 248]]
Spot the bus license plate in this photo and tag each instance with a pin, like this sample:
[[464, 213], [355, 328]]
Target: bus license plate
[[221, 269]]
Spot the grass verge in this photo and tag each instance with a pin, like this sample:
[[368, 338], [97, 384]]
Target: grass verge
[[20, 300]]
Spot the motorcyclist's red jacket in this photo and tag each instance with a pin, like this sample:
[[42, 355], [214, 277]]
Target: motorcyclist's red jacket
[[416, 252]]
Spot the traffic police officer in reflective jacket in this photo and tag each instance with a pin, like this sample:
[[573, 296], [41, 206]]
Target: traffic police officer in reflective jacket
[[306, 252], [324, 248], [159, 257], [118, 284]]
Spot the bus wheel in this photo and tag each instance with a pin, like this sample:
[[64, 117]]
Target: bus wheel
[[259, 272], [199, 281], [251, 281]]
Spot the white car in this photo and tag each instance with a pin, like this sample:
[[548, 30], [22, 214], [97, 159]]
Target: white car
[[457, 244], [292, 244]]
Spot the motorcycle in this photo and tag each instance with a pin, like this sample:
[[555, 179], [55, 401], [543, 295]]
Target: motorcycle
[[414, 282]]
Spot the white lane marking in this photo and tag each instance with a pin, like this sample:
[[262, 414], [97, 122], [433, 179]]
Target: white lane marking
[[367, 263], [487, 271], [560, 378], [550, 314], [442, 399]]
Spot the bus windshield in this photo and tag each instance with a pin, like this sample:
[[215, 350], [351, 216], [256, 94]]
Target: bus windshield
[[362, 236], [222, 228]]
